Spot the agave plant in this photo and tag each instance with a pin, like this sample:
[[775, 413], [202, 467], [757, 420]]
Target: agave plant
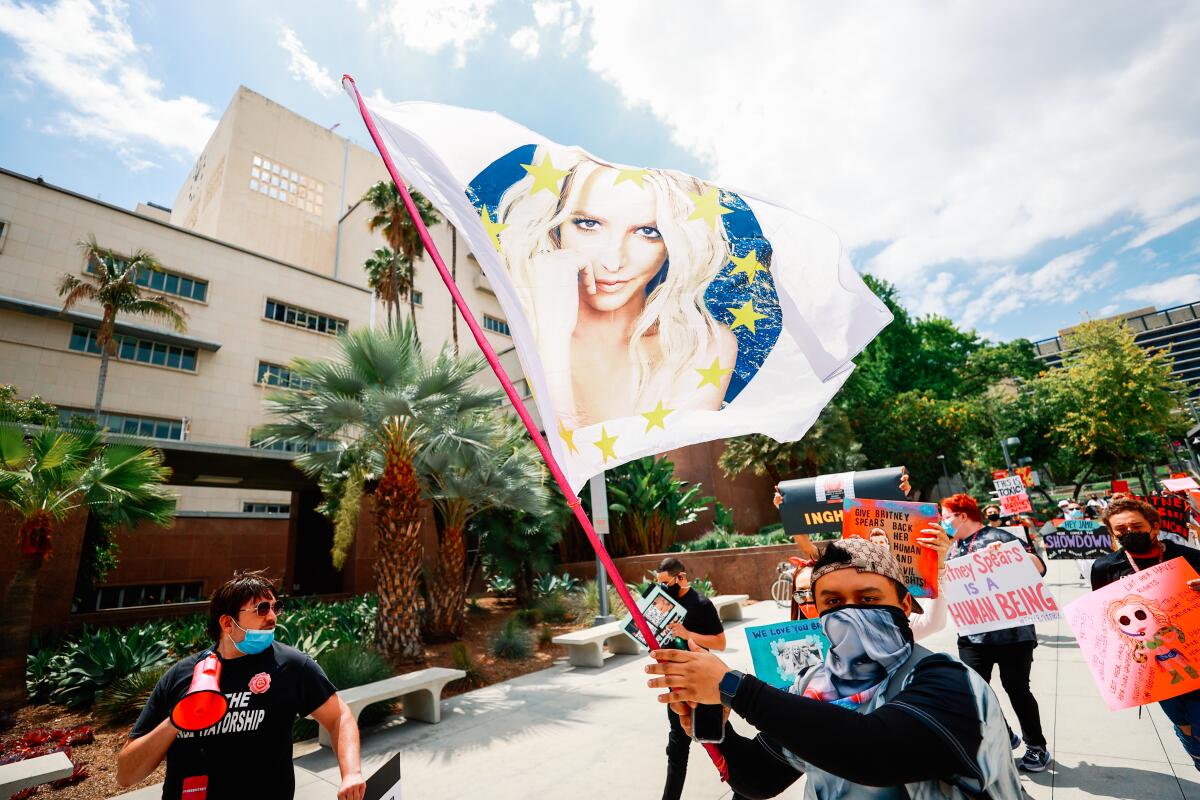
[[649, 504], [125, 697], [97, 659]]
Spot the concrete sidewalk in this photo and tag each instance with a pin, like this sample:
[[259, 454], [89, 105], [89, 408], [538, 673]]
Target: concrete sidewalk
[[578, 731]]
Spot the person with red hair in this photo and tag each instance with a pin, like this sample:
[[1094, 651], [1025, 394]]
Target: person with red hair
[[1010, 649]]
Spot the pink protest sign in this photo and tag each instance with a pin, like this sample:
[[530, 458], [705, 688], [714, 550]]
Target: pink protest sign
[[996, 588], [1138, 635]]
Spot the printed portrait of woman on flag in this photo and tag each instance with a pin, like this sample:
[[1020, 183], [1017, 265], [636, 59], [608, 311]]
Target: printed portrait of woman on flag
[[611, 266]]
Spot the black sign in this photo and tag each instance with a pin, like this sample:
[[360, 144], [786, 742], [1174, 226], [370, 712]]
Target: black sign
[[385, 783], [1078, 538], [1173, 510], [814, 505]]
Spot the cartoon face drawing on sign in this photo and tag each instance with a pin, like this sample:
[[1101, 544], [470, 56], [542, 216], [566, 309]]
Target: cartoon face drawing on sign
[[1150, 635]]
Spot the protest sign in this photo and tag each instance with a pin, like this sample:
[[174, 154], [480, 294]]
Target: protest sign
[[898, 525], [1120, 487], [1027, 476], [996, 588], [660, 612], [1077, 538], [1017, 531], [814, 505], [1139, 635], [1173, 510], [787, 651], [1013, 497]]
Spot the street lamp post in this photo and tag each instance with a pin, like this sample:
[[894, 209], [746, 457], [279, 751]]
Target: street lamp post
[[945, 472], [1011, 441]]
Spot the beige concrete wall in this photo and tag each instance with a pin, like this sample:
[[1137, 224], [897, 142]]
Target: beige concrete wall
[[221, 399]]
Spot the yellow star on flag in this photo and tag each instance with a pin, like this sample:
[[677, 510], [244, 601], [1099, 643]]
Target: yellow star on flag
[[568, 436], [493, 228], [657, 417], [712, 374], [545, 175], [746, 315], [748, 264], [635, 175], [708, 207], [605, 443]]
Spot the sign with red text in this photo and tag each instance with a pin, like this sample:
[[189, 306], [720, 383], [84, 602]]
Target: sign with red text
[[1172, 511], [996, 588], [1012, 495], [1139, 635]]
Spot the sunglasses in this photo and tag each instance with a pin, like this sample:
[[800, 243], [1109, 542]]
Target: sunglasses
[[266, 605]]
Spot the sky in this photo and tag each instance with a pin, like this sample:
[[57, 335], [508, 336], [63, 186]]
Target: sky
[[1016, 167]]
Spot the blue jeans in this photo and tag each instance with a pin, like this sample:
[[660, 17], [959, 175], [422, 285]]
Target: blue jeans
[[1185, 710]]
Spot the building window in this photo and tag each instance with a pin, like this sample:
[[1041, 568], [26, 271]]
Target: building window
[[167, 282], [418, 297], [151, 594], [286, 185], [289, 446], [276, 375], [302, 318], [3, 232], [131, 348], [495, 325], [266, 508], [129, 424]]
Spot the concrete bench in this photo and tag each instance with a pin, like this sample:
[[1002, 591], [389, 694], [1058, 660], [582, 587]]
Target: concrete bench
[[585, 648], [729, 606], [33, 772], [420, 691]]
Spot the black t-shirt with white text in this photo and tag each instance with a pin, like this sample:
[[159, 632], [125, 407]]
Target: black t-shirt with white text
[[249, 752]]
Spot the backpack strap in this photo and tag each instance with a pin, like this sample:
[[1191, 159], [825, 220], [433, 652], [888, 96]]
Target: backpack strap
[[899, 678]]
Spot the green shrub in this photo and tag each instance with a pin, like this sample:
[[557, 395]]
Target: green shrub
[[39, 671], [529, 617], [556, 607], [545, 636], [586, 602], [721, 540], [188, 635], [460, 658], [513, 641], [473, 606], [347, 666], [501, 586], [704, 586], [121, 702], [549, 584], [723, 518], [98, 658]]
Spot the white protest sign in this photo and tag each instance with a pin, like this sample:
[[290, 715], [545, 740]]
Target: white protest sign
[[996, 588], [1013, 497]]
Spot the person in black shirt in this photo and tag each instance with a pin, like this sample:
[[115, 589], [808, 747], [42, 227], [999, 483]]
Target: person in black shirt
[[1135, 525], [1010, 649], [882, 717], [248, 753], [701, 625]]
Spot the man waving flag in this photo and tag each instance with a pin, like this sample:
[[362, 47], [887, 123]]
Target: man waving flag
[[650, 309]]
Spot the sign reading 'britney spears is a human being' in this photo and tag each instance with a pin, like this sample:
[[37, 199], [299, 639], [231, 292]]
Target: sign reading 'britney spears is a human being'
[[996, 588], [1139, 635]]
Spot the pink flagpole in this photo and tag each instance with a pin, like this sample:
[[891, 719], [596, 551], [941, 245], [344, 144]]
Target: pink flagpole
[[494, 361]]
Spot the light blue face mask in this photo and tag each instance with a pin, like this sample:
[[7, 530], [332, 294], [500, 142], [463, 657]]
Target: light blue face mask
[[255, 642], [947, 527]]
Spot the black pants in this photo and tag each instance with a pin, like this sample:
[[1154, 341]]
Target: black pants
[[678, 746], [1014, 661]]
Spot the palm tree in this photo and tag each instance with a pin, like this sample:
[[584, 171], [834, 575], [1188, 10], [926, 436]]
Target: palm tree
[[463, 481], [390, 276], [112, 284], [45, 475], [384, 403], [391, 218]]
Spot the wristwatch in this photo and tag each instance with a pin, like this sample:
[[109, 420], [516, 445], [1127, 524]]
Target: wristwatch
[[729, 685]]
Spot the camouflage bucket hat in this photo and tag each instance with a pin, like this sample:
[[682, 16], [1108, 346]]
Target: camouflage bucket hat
[[866, 556]]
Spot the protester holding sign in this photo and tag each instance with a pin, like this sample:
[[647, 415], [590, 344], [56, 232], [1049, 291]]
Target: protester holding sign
[[1010, 649], [1136, 526], [881, 717]]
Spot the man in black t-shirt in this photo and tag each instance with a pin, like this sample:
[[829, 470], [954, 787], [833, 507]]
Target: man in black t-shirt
[[1135, 524], [702, 625], [1010, 649], [248, 753]]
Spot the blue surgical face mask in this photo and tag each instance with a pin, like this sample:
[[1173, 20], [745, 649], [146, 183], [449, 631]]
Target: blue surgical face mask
[[1074, 513], [255, 642], [948, 527]]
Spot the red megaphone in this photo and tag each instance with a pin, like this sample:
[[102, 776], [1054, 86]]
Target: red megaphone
[[203, 706]]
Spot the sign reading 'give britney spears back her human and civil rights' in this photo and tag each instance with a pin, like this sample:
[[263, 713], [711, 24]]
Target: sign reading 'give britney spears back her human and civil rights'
[[996, 588]]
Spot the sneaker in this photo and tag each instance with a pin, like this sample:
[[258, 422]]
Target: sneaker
[[1036, 759], [1015, 740]]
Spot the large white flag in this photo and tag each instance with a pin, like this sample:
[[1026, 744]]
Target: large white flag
[[650, 309]]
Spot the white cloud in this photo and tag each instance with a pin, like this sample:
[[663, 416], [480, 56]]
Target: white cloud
[[562, 16], [525, 41], [87, 56], [1171, 292], [1165, 225], [431, 27], [965, 134], [304, 68], [1109, 310]]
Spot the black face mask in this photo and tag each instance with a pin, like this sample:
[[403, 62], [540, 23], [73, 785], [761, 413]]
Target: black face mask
[[993, 517], [1135, 542], [672, 589]]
